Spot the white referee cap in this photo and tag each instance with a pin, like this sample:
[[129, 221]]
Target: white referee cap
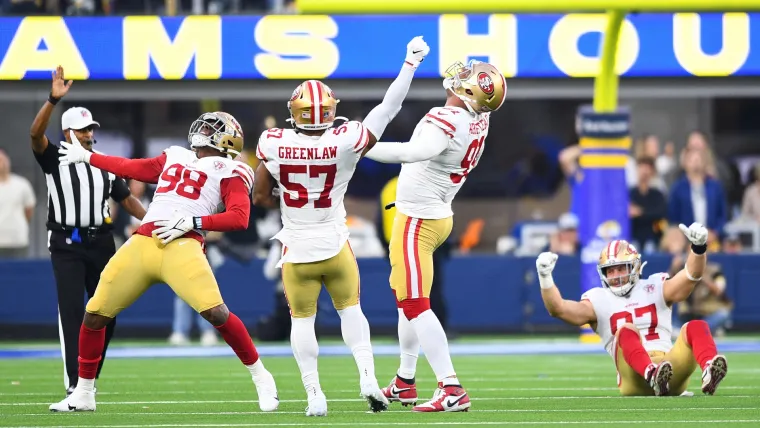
[[77, 118]]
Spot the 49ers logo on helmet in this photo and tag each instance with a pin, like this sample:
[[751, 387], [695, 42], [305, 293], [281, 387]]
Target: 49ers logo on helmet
[[296, 93], [485, 82]]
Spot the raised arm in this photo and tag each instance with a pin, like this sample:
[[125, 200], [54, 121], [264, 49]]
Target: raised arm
[[37, 132], [426, 144], [380, 116], [679, 287], [570, 311], [145, 170]]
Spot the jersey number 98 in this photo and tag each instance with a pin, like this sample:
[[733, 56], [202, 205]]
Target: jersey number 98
[[181, 180]]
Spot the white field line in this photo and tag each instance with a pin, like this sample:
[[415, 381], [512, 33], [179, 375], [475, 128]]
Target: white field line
[[416, 423], [126, 403]]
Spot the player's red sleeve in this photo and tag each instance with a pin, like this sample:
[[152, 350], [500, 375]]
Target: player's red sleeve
[[238, 207], [145, 170]]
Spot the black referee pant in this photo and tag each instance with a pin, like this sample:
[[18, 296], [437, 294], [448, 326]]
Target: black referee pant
[[77, 267]]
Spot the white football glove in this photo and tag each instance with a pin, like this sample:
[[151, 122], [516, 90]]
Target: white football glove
[[545, 265], [696, 233], [73, 152], [416, 51], [169, 230]]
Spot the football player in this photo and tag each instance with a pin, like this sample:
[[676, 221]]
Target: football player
[[168, 245], [633, 317], [311, 166], [445, 147]]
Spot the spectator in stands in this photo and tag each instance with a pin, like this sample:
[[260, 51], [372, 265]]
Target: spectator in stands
[[726, 173], [664, 163], [16, 208], [569, 162], [697, 197], [751, 199], [565, 241], [732, 244], [647, 208]]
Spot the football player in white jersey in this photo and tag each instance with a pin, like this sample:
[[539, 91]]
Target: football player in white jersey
[[311, 166], [445, 146], [628, 310], [168, 245]]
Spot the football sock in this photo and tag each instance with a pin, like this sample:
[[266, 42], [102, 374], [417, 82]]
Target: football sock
[[355, 330], [701, 342], [235, 334], [91, 343], [303, 341], [633, 351], [410, 348], [434, 344]]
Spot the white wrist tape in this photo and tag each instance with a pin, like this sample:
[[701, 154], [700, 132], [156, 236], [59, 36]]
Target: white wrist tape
[[546, 282], [688, 275]]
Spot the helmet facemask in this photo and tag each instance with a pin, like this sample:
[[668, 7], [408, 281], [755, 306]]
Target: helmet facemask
[[479, 85], [620, 253], [219, 131]]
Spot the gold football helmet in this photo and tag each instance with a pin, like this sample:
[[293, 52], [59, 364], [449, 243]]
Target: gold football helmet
[[618, 253], [313, 106], [218, 130], [480, 85]]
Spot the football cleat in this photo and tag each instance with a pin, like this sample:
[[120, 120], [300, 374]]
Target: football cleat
[[451, 398], [375, 397], [79, 401], [658, 377], [317, 402], [400, 391], [713, 374], [267, 392]]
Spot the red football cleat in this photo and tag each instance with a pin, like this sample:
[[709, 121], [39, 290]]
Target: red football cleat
[[451, 398], [400, 391]]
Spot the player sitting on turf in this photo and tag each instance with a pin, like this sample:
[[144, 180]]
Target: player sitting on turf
[[628, 310], [191, 187]]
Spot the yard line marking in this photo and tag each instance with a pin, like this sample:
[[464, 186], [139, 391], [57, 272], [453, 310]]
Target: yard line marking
[[400, 410], [416, 423], [347, 400], [341, 391]]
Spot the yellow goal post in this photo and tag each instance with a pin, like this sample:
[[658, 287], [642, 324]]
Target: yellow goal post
[[606, 82]]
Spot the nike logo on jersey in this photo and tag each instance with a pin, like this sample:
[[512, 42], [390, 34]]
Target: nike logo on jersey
[[396, 391], [450, 403]]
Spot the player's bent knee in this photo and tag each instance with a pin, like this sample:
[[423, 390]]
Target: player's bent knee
[[414, 307], [628, 326], [95, 321], [699, 324], [217, 315]]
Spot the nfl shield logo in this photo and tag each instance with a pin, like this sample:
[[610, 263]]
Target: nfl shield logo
[[649, 288], [218, 165]]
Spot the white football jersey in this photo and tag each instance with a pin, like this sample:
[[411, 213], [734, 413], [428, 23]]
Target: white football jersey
[[313, 174], [190, 186], [644, 307], [426, 189]]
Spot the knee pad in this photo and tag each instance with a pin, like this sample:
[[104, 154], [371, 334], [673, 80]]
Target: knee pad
[[414, 307]]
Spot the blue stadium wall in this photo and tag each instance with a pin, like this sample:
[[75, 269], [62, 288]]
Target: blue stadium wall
[[484, 294]]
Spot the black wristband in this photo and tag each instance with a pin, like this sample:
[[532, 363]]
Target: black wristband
[[53, 100], [698, 249], [197, 223]]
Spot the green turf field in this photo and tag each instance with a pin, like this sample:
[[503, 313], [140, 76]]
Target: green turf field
[[531, 390]]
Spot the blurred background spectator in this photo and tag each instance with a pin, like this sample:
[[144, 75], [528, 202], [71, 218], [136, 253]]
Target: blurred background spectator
[[16, 208], [647, 208]]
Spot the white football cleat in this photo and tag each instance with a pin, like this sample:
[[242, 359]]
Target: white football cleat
[[317, 403], [375, 397], [450, 398], [267, 392], [179, 339], [79, 401], [209, 338], [713, 374]]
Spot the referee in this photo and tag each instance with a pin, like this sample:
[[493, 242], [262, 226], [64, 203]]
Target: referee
[[80, 236]]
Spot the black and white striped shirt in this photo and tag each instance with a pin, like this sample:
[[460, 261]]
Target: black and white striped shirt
[[78, 194]]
